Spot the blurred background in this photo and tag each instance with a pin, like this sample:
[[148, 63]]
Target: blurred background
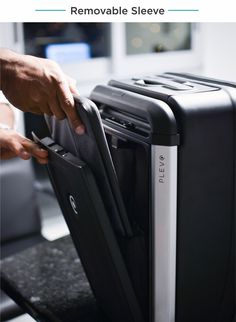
[[93, 53]]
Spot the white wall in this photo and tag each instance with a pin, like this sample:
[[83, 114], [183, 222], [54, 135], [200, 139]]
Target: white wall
[[219, 50], [11, 36], [6, 35]]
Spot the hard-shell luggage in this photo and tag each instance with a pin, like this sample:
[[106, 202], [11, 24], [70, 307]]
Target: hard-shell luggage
[[150, 202]]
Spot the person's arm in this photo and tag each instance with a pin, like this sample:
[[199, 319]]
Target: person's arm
[[39, 86], [12, 144]]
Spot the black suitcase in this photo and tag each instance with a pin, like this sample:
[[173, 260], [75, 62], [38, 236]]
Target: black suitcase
[[172, 139], [172, 142]]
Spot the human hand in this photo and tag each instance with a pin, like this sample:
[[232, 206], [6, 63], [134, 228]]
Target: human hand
[[13, 144], [39, 86]]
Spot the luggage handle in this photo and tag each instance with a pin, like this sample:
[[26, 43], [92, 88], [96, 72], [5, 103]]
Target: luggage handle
[[159, 81], [157, 113]]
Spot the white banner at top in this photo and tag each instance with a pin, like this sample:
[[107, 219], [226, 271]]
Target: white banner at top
[[117, 11]]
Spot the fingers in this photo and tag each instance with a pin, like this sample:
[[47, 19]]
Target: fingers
[[54, 106], [33, 149], [66, 101], [6, 154], [41, 108], [72, 85], [13, 151], [12, 144], [17, 148]]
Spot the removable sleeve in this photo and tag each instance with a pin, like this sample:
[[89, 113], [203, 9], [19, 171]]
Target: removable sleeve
[[92, 233]]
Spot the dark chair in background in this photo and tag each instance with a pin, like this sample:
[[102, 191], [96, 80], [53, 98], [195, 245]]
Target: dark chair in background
[[20, 220]]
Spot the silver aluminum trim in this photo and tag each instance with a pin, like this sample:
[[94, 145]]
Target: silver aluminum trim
[[164, 211]]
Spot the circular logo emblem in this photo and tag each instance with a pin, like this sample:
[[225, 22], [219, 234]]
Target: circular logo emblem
[[73, 204]]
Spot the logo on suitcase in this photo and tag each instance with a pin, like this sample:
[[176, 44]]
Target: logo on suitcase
[[73, 204], [162, 169]]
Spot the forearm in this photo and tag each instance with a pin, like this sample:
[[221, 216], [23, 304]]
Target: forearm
[[7, 60]]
